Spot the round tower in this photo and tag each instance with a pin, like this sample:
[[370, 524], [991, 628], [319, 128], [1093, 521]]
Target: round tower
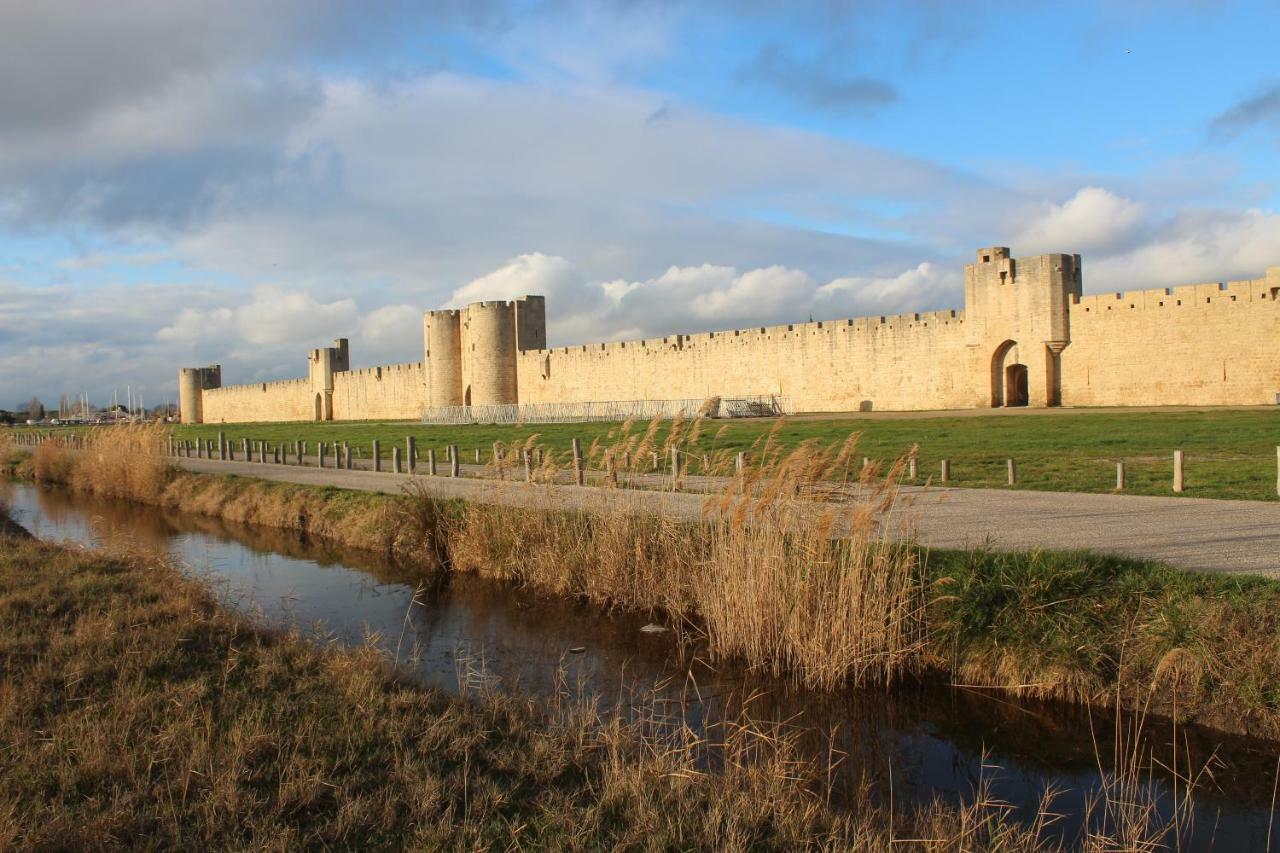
[[443, 335], [192, 382], [489, 341]]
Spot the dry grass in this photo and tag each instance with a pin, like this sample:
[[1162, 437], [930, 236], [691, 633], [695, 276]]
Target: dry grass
[[135, 712], [762, 580], [762, 576]]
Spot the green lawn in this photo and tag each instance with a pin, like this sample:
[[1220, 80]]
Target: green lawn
[[1229, 453]]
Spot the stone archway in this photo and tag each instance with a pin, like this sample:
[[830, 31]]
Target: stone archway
[[1010, 383], [319, 408], [1016, 386]]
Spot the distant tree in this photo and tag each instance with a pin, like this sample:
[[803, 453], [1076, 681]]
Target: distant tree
[[35, 409], [6, 417]]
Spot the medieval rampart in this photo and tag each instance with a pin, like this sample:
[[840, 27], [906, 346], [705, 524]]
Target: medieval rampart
[[1201, 345], [286, 400], [1026, 336], [843, 365], [391, 392]]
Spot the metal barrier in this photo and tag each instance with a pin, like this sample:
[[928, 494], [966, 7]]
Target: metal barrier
[[611, 410]]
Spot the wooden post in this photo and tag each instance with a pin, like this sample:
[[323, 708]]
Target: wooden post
[[528, 466], [497, 461], [1178, 481], [411, 454], [946, 470], [222, 446], [1278, 470], [377, 455], [675, 468], [913, 468], [612, 469], [320, 454], [477, 456], [275, 455], [1119, 476], [655, 460], [431, 461], [395, 459], [579, 474], [297, 449], [740, 462], [244, 445], [1013, 473], [346, 455], [454, 466]]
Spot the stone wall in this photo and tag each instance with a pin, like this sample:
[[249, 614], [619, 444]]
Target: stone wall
[[1026, 336], [289, 400], [907, 361], [1199, 345], [390, 392]]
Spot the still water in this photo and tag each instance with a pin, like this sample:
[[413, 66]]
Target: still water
[[918, 742]]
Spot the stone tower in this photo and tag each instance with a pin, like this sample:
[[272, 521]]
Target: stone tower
[[471, 352], [192, 383], [442, 332], [322, 363], [1017, 312]]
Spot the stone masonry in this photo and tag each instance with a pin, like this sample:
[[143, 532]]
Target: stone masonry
[[1027, 337]]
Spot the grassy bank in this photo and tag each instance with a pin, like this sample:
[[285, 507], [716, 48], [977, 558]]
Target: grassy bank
[[824, 612], [135, 709], [1230, 453]]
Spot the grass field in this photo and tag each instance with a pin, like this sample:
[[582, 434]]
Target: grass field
[[1229, 453]]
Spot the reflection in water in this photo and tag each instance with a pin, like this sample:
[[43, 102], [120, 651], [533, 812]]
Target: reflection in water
[[928, 740]]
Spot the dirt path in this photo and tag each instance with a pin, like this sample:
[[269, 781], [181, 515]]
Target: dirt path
[[1205, 535]]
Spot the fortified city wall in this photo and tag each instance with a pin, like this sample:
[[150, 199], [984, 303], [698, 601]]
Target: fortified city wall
[[1026, 336], [391, 392], [1198, 345]]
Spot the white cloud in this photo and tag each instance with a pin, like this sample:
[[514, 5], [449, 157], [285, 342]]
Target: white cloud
[[548, 275], [274, 316], [704, 297], [1093, 220], [392, 330], [1192, 248], [924, 287]]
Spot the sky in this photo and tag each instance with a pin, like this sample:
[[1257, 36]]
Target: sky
[[237, 182]]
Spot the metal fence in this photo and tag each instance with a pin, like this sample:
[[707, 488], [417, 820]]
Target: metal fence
[[611, 410]]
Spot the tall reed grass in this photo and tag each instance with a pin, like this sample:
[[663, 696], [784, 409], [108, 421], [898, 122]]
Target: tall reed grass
[[138, 711], [791, 569], [782, 572]]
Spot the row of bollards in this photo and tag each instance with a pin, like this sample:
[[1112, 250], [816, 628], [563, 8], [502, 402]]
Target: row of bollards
[[406, 460]]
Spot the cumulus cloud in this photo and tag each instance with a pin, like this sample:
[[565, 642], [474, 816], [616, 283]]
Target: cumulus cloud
[[1093, 220], [704, 297], [393, 332], [274, 316], [922, 288], [1192, 248], [551, 276]]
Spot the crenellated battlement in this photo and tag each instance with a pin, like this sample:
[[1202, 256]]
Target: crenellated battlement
[[1027, 335], [1242, 292]]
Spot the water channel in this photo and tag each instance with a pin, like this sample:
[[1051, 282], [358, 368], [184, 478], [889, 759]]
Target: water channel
[[918, 741]]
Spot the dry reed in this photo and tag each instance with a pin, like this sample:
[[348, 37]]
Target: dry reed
[[798, 581], [136, 710]]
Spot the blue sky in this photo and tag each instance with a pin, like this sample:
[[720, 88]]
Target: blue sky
[[232, 182]]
